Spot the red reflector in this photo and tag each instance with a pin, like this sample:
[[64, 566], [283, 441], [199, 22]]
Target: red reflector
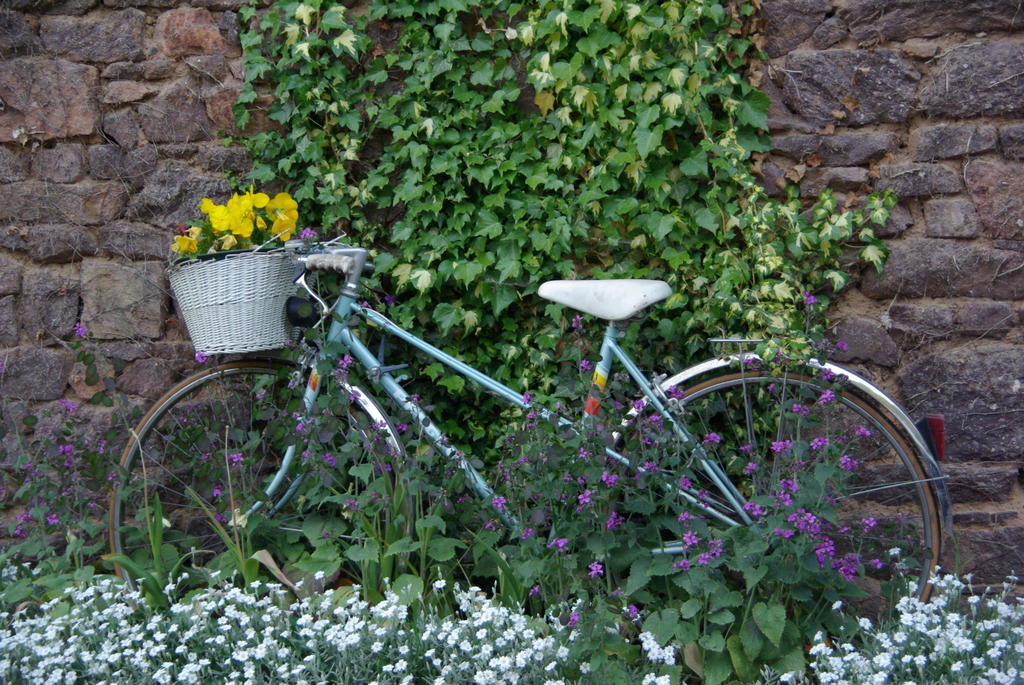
[[937, 428]]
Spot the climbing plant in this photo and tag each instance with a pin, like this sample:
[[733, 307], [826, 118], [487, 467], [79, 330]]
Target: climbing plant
[[484, 146]]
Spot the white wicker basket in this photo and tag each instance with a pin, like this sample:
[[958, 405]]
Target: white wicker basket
[[236, 302]]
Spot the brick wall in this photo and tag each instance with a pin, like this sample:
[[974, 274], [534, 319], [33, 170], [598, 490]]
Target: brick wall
[[925, 97]]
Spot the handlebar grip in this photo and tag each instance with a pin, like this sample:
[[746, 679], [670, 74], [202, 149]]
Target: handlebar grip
[[331, 262]]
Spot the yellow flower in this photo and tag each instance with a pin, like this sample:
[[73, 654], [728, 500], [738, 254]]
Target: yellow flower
[[184, 245], [220, 219], [194, 232], [285, 213], [207, 205], [240, 215], [228, 241]]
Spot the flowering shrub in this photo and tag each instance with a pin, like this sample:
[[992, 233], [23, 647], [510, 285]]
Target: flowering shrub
[[953, 640], [102, 633], [245, 221]]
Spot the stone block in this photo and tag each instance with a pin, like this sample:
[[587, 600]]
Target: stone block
[[836, 178], [947, 142], [1011, 141], [979, 483], [111, 38], [154, 69], [883, 20], [32, 373], [52, 98], [135, 240], [867, 341], [991, 555], [988, 319], [848, 87], [921, 267], [219, 4], [773, 179], [13, 166], [212, 68], [149, 378], [48, 306], [85, 203], [900, 219], [172, 193], [220, 104], [918, 321], [791, 22], [122, 301], [997, 189], [8, 321], [221, 159], [122, 127], [10, 277], [951, 218], [985, 518], [121, 92], [828, 33], [976, 81], [189, 31], [16, 36], [978, 391], [120, 4], [918, 180], [62, 163], [128, 166], [176, 115], [60, 243]]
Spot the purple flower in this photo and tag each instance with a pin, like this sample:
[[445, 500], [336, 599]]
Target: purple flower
[[80, 330], [747, 449], [712, 439], [825, 550], [676, 393], [826, 397], [217, 491], [686, 516], [609, 479], [52, 519], [631, 612], [65, 450], [848, 463], [596, 569], [782, 446], [819, 443], [638, 405], [704, 558], [586, 365], [800, 410], [690, 539], [788, 484], [201, 357], [534, 590], [750, 468], [527, 533], [613, 521], [862, 432], [236, 458], [577, 322], [754, 509], [574, 620], [810, 299], [685, 483], [499, 503], [307, 234], [682, 565], [583, 453], [842, 346], [783, 533], [583, 499], [345, 362], [868, 524], [558, 543], [329, 460], [68, 405]]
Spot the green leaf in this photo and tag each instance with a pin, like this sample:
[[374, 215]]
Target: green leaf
[[691, 607], [662, 625], [717, 667], [713, 641], [403, 545], [741, 663], [752, 640], [443, 549], [368, 551], [771, 620], [408, 588]]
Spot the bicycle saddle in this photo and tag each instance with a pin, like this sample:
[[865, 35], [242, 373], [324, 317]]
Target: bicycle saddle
[[612, 300]]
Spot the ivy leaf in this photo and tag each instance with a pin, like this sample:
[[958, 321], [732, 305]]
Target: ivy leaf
[[421, 279], [647, 140], [544, 101]]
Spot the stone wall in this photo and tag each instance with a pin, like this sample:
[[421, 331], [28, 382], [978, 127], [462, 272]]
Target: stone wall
[[112, 114], [925, 97]]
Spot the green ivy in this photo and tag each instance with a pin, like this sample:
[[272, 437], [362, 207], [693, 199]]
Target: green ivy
[[485, 146]]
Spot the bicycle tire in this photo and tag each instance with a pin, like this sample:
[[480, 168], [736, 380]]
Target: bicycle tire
[[890, 484], [231, 421]]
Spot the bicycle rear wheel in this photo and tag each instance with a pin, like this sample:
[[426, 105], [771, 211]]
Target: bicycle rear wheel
[[211, 448], [769, 428]]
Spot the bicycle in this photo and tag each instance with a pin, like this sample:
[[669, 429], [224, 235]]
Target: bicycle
[[222, 442]]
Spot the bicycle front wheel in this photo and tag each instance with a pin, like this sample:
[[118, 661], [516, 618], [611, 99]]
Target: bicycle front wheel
[[213, 451], [766, 430]]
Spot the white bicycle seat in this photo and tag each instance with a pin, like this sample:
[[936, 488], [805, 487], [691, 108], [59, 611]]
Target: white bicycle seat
[[612, 300]]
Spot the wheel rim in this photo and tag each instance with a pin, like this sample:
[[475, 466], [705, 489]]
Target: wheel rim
[[889, 505]]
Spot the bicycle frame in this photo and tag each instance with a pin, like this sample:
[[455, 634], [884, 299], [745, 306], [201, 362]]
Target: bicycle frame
[[341, 332]]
